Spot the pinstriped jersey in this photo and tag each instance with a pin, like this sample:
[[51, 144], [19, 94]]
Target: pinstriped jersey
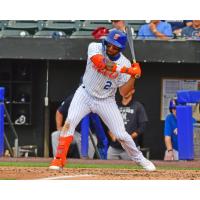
[[101, 83]]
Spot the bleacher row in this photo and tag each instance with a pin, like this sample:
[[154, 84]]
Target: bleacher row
[[62, 28]]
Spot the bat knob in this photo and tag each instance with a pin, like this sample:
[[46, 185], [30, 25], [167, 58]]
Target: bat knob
[[137, 76]]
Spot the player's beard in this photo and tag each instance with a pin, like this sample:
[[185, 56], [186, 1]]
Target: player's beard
[[111, 56]]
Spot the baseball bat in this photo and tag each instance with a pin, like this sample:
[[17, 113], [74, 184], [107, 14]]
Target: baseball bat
[[130, 42], [94, 145]]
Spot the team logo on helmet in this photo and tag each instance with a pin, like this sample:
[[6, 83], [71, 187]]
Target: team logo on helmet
[[116, 36]]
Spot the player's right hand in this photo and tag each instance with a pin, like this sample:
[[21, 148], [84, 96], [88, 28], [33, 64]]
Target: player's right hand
[[135, 70], [169, 155]]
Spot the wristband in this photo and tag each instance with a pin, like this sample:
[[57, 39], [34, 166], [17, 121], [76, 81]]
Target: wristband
[[169, 150], [118, 68]]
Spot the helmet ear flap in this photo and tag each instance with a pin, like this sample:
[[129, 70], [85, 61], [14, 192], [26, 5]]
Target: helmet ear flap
[[104, 42]]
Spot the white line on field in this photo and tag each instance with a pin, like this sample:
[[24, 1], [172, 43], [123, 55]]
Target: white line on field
[[64, 177]]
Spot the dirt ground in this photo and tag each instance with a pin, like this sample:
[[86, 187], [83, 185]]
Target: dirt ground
[[35, 173]]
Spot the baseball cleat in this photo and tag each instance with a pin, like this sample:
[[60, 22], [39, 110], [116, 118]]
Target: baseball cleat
[[56, 164], [147, 165]]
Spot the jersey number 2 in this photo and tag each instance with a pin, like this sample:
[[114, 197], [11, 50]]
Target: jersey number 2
[[107, 85]]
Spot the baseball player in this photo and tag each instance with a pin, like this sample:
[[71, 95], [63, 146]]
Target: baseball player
[[170, 133], [107, 69]]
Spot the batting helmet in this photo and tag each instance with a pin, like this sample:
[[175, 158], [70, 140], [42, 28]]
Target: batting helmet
[[116, 38], [172, 104]]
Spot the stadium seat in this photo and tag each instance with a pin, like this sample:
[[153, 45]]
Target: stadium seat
[[14, 33], [93, 24], [82, 34], [30, 26], [61, 25], [3, 24], [100, 21], [41, 24], [50, 34], [135, 24], [140, 22]]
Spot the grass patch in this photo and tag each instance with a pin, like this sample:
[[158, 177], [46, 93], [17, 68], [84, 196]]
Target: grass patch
[[101, 166], [178, 168], [69, 165], [24, 164]]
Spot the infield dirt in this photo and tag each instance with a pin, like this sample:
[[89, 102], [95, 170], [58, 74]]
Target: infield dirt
[[181, 170]]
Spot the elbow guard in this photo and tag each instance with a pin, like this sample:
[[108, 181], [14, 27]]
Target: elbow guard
[[99, 61]]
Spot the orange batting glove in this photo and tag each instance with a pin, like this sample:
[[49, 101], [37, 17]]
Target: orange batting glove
[[99, 61], [135, 70]]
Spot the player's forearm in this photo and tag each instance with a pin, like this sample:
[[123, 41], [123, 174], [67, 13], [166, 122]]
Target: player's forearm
[[168, 143], [127, 87], [101, 63], [98, 61], [134, 70]]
